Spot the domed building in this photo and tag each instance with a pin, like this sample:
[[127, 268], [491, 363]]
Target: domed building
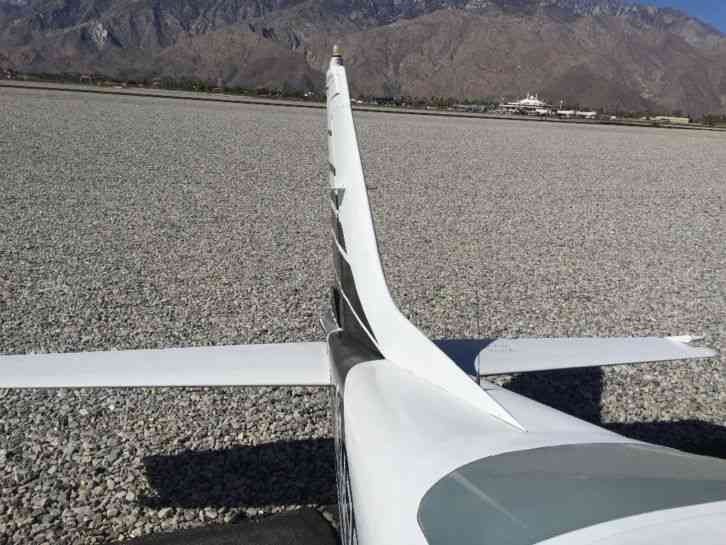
[[530, 105]]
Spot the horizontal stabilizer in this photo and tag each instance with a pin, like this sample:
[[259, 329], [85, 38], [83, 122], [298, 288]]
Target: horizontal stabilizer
[[505, 356], [303, 364]]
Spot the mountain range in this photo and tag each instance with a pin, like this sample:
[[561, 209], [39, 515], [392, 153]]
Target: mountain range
[[599, 53]]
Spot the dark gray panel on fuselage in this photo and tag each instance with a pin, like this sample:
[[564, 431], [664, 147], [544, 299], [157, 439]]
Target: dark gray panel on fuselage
[[524, 497]]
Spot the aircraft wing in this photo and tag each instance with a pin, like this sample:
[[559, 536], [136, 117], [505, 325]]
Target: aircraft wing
[[505, 356], [303, 364]]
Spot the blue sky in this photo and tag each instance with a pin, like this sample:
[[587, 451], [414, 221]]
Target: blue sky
[[711, 11]]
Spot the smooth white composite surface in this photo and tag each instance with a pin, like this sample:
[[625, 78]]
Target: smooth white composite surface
[[504, 356], [403, 434], [697, 524], [304, 364]]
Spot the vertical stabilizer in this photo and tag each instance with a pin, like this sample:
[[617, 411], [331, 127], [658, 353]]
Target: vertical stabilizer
[[361, 281]]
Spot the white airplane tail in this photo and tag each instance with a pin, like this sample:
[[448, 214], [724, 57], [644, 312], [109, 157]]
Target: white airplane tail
[[364, 306], [365, 309]]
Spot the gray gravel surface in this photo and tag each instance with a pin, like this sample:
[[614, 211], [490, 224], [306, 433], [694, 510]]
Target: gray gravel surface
[[138, 222]]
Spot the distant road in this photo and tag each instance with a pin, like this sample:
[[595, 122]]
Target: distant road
[[289, 103], [157, 93]]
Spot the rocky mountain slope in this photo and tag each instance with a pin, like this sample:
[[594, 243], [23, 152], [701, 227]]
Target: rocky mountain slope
[[600, 62], [602, 53]]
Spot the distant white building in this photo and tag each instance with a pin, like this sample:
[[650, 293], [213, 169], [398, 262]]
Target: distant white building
[[569, 114], [533, 105], [586, 115], [673, 119], [530, 105]]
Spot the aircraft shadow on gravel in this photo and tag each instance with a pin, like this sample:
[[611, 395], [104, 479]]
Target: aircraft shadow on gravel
[[579, 392], [281, 473], [303, 471]]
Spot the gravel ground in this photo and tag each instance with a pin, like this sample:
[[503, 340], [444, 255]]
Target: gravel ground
[[137, 222]]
